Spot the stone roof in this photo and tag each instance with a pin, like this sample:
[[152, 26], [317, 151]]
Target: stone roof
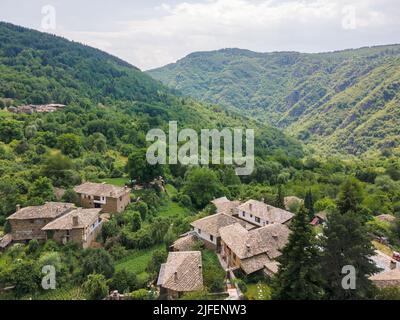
[[321, 215], [272, 267], [50, 210], [185, 243], [386, 217], [182, 272], [266, 211], [212, 224], [245, 244], [255, 263], [101, 189], [85, 217], [5, 241], [224, 205], [290, 200], [390, 275]]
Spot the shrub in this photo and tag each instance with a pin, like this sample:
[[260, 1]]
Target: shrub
[[95, 287]]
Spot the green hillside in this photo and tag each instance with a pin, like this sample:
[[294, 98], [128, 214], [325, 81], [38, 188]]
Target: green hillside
[[40, 68], [331, 100]]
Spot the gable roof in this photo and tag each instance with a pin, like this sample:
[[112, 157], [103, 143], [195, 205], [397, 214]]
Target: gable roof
[[224, 205], [390, 275], [86, 217], [182, 272], [185, 243], [266, 211], [211, 224], [245, 244], [5, 241], [101, 189], [323, 215], [386, 217], [50, 210]]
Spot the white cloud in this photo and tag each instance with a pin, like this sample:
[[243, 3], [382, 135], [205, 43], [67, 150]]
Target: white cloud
[[262, 25]]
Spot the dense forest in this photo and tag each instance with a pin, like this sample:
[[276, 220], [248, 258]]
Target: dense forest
[[345, 101], [100, 137]]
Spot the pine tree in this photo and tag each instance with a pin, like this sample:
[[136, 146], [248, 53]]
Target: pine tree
[[346, 243], [299, 276], [309, 204], [350, 196], [280, 198]]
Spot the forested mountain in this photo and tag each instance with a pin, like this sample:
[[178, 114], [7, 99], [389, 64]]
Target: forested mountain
[[40, 68], [345, 101]]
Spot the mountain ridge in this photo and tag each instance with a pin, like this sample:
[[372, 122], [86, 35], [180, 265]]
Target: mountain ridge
[[288, 89]]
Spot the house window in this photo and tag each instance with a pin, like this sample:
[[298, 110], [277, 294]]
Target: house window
[[258, 220], [198, 231], [243, 214], [211, 237], [120, 198], [251, 216]]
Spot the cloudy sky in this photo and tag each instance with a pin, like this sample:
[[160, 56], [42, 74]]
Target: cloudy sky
[[152, 33]]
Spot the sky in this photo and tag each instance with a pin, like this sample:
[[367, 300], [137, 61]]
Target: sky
[[153, 33]]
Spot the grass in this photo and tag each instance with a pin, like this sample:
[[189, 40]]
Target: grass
[[381, 247], [137, 262], [258, 291], [120, 182], [5, 114], [173, 209], [212, 269], [68, 293]]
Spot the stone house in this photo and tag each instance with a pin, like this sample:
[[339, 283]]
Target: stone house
[[27, 223], [253, 250], [207, 229], [182, 273], [262, 214], [110, 198], [80, 226], [224, 205]]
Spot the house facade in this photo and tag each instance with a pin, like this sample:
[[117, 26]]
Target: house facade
[[207, 229], [109, 198], [27, 223], [80, 226], [262, 214], [182, 273]]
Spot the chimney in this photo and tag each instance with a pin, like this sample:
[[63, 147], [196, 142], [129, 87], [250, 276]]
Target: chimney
[[176, 276], [75, 220], [251, 206], [393, 264], [18, 207], [248, 247], [262, 199]]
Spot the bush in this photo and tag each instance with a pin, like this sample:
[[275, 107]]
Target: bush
[[96, 287], [142, 294], [124, 281], [97, 261]]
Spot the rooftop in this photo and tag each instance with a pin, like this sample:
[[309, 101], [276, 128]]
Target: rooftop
[[213, 223], [50, 210], [182, 272], [185, 243], [85, 217], [224, 205], [101, 189], [266, 211], [245, 244]]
